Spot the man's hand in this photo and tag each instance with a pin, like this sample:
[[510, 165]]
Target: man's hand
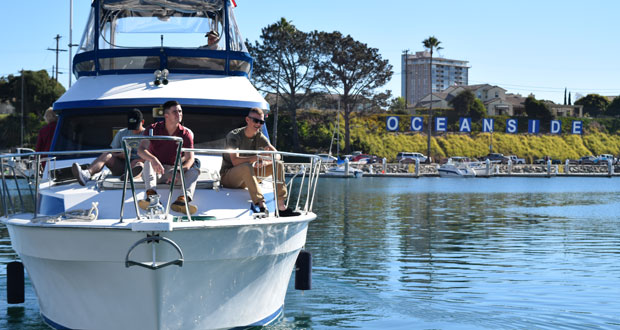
[[157, 167]]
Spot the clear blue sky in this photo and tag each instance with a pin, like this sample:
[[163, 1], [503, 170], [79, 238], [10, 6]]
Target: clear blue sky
[[537, 47]]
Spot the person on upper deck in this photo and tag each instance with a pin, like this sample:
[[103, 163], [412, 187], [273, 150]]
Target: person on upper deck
[[116, 161], [213, 39], [161, 155], [240, 171]]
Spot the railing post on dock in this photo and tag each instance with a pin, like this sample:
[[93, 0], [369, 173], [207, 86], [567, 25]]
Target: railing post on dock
[[549, 167], [488, 167], [346, 167], [610, 167], [417, 166], [567, 167], [384, 163], [510, 166]]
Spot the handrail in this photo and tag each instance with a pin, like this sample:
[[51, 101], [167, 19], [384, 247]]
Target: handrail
[[313, 173], [177, 160]]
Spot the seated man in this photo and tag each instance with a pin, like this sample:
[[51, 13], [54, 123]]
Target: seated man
[[213, 38], [160, 155], [240, 171], [116, 161]]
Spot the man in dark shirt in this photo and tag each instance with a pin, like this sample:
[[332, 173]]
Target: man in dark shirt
[[160, 155], [240, 171]]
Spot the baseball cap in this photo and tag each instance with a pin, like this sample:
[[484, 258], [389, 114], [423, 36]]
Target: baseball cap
[[213, 32], [134, 118]]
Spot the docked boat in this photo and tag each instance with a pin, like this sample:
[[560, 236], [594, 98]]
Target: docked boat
[[98, 261], [456, 167], [343, 172]]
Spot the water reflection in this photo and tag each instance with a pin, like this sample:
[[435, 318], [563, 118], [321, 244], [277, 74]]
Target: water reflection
[[495, 253], [502, 253]]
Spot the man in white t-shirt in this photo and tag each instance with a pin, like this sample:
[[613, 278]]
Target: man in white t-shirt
[[116, 161]]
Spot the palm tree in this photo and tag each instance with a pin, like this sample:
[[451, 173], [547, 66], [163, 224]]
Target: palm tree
[[431, 44]]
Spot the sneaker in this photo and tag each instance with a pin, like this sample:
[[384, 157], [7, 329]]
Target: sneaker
[[82, 176], [260, 210], [144, 203], [179, 206], [288, 213]]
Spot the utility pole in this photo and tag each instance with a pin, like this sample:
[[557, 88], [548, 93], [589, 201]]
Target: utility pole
[[57, 50], [406, 51], [22, 106]]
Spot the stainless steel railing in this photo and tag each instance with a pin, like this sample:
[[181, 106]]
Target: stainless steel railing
[[307, 185]]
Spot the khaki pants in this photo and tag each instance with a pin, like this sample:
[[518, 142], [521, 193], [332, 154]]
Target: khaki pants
[[151, 179], [244, 176]]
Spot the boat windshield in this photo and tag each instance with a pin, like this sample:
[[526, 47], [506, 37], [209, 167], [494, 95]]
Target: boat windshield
[[171, 23], [95, 130]]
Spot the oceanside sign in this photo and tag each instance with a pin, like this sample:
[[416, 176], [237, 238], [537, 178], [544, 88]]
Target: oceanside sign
[[488, 125]]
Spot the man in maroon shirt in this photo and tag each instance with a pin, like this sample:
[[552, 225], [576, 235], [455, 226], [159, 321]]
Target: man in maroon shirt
[[160, 155]]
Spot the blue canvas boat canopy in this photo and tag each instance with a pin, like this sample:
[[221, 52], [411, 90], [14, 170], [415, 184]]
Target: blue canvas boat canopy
[[141, 36]]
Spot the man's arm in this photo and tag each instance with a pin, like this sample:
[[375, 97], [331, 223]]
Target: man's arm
[[237, 159], [145, 154]]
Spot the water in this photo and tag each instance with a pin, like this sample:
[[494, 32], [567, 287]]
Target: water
[[437, 253]]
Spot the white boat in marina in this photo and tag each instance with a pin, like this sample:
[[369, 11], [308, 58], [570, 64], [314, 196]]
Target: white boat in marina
[[96, 260], [457, 167], [342, 172]]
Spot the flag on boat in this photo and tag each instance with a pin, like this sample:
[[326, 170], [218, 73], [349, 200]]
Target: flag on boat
[[234, 4]]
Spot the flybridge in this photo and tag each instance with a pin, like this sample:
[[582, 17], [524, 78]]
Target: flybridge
[[141, 36], [440, 124]]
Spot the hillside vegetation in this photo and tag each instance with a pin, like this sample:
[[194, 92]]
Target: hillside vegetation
[[368, 134]]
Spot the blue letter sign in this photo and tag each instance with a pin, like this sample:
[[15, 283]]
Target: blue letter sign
[[533, 126], [577, 127], [556, 127], [416, 124], [441, 124], [464, 124], [391, 123], [511, 126], [487, 125]]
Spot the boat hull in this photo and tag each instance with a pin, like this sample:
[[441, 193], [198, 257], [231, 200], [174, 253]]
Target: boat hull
[[231, 276], [454, 172]]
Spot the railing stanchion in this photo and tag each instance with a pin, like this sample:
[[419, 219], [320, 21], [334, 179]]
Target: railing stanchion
[[36, 185]]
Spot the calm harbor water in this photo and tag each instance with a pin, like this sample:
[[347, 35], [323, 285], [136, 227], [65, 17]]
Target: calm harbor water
[[437, 253]]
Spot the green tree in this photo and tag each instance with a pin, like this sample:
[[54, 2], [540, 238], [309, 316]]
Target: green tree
[[613, 109], [40, 91], [398, 105], [537, 109], [477, 110], [431, 44], [463, 102], [593, 104], [286, 60], [352, 70]]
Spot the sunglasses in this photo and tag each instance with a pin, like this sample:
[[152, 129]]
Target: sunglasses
[[257, 121]]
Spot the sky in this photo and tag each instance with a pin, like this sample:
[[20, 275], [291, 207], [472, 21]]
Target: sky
[[539, 47]]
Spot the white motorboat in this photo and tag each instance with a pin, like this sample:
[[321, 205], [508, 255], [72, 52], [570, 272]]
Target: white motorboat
[[343, 172], [456, 167], [95, 259]]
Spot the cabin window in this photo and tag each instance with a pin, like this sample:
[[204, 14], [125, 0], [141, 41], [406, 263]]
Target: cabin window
[[95, 130]]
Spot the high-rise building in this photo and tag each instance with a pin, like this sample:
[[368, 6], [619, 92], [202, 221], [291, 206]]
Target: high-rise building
[[445, 73]]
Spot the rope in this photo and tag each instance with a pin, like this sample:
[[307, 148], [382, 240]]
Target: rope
[[74, 215]]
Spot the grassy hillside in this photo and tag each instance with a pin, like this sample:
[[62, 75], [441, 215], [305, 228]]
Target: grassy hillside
[[369, 135]]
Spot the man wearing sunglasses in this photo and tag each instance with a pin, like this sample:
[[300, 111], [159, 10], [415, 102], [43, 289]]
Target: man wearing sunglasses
[[241, 170]]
